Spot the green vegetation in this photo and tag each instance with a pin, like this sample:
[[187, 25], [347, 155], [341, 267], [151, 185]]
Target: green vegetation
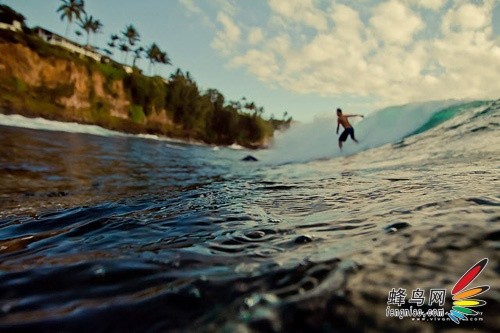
[[137, 114], [175, 107], [206, 116], [111, 71], [53, 94], [20, 86], [200, 115], [146, 92]]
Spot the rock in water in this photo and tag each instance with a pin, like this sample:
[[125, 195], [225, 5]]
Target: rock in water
[[394, 227], [249, 158]]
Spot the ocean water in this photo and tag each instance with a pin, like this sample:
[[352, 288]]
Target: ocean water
[[105, 232]]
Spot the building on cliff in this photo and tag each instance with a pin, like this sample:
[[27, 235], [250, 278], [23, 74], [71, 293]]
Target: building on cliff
[[14, 26], [10, 19], [55, 39], [14, 21]]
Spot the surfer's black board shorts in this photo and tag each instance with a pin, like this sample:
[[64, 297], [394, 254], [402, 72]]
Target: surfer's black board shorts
[[346, 133]]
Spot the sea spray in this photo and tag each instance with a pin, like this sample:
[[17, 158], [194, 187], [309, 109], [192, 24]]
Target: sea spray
[[318, 140]]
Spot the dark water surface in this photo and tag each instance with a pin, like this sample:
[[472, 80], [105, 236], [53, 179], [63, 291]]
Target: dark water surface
[[127, 234]]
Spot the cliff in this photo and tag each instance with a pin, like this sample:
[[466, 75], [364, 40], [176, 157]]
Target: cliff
[[59, 86], [41, 80]]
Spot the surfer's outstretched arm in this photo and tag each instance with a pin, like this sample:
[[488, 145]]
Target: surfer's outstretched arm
[[354, 115]]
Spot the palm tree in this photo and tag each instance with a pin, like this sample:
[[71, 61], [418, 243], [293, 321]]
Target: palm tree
[[260, 111], [71, 9], [131, 34], [153, 53], [165, 60], [112, 42], [96, 28], [137, 54], [91, 26], [87, 24], [78, 34], [125, 49], [250, 106]]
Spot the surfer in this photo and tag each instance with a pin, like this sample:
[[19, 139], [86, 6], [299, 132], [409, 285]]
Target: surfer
[[342, 119]]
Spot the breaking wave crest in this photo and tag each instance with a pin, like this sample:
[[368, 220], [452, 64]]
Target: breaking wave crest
[[318, 140]]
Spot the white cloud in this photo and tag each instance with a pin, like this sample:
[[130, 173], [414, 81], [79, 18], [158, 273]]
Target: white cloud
[[300, 11], [231, 30], [227, 6], [255, 36], [428, 4], [226, 39], [260, 63], [467, 17], [393, 22], [368, 51], [346, 20], [191, 6]]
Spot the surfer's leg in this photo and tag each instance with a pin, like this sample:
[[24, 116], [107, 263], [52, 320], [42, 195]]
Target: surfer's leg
[[343, 137], [352, 135]]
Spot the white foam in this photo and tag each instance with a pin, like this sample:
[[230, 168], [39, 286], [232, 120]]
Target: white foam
[[72, 127], [51, 125], [318, 140], [236, 146]]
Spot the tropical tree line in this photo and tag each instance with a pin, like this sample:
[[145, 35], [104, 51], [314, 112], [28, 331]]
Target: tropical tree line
[[126, 41], [203, 115], [74, 11]]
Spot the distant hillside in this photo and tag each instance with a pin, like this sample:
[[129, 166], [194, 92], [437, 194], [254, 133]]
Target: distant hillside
[[41, 80]]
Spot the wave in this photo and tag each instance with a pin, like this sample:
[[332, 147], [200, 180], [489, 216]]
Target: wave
[[447, 114], [72, 127], [318, 140], [310, 141], [52, 125]]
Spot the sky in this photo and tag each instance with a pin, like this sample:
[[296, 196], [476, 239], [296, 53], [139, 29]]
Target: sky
[[308, 57]]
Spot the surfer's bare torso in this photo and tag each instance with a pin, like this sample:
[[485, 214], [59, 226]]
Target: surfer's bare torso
[[344, 121]]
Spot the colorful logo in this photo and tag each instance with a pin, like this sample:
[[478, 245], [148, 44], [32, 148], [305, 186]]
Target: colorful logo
[[462, 299]]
